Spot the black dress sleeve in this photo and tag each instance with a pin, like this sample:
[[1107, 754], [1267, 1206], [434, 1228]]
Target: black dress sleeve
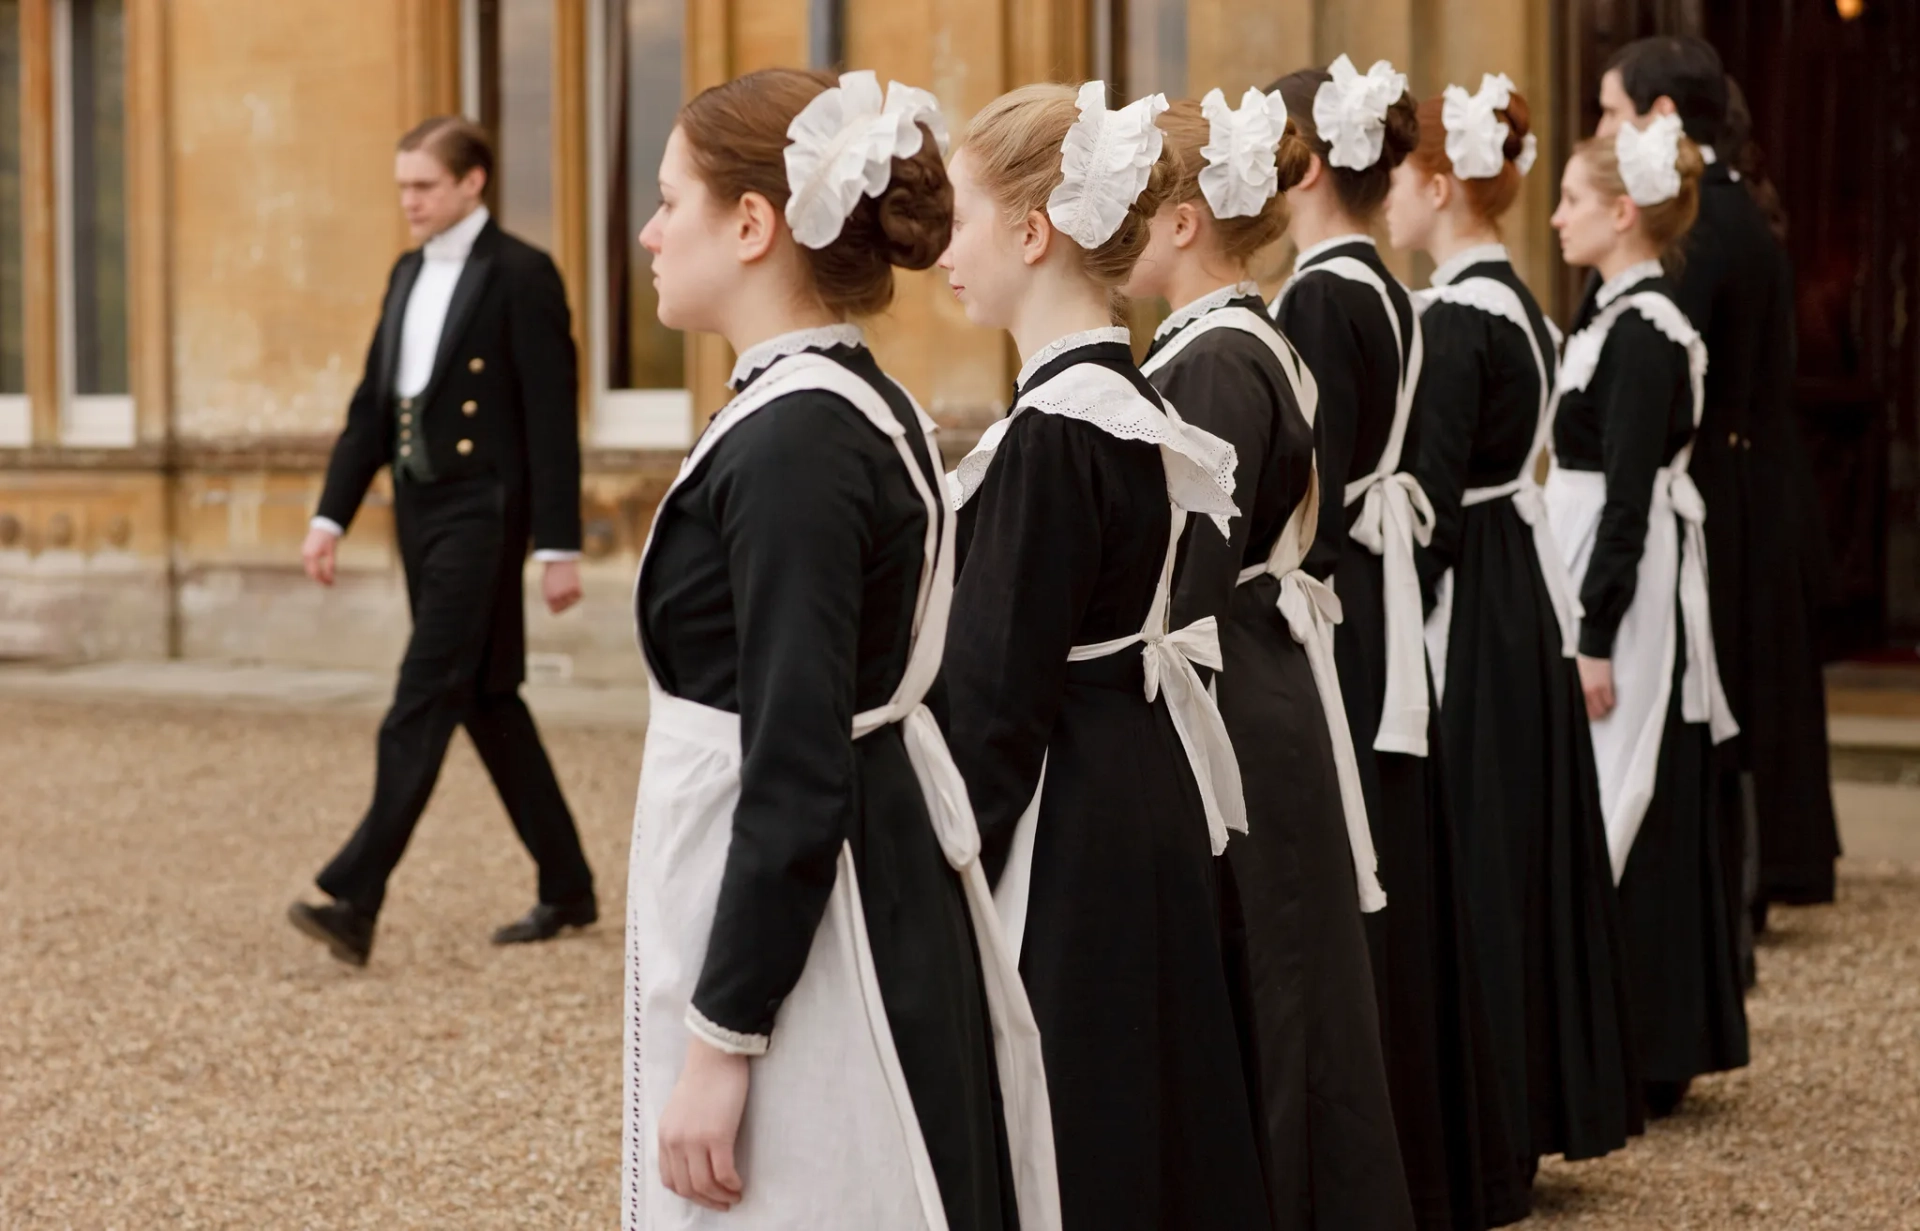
[[1219, 387], [1033, 561], [362, 447], [1314, 320], [794, 500], [1446, 407], [543, 356], [1640, 375]]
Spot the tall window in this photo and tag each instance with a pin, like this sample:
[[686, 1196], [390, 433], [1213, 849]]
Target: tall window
[[641, 400], [15, 421], [510, 92], [1140, 47], [91, 118]]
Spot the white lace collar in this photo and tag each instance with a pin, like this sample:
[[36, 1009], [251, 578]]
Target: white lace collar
[[1328, 245], [1073, 341], [1460, 263], [1182, 317], [758, 357], [1626, 280]]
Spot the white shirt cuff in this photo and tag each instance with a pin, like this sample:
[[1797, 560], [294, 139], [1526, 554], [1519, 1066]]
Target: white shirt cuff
[[720, 1038], [554, 555], [329, 525]]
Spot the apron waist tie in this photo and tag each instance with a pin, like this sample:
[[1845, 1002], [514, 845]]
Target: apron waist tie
[[1311, 609], [1702, 697], [1529, 501], [1394, 515], [1168, 661]]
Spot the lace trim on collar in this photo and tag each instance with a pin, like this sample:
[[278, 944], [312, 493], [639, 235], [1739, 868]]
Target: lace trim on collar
[[1203, 305], [1073, 341], [1462, 262], [1626, 280], [758, 358]]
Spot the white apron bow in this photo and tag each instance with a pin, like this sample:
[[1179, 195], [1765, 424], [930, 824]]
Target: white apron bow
[[1702, 697]]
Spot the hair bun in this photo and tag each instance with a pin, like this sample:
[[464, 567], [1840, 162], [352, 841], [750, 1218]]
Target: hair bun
[[1403, 132], [1519, 118], [914, 216]]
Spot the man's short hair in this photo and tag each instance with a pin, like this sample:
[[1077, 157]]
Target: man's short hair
[[457, 144], [1687, 70]]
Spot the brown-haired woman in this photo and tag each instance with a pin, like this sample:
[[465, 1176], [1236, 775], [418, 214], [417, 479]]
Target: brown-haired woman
[[1356, 327], [823, 1017], [1629, 523], [1520, 772], [1101, 773], [1294, 887]]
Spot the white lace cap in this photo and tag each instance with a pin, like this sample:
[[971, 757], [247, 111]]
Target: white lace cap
[[1240, 177], [1350, 111], [842, 146], [1650, 160], [1476, 135], [1105, 160]]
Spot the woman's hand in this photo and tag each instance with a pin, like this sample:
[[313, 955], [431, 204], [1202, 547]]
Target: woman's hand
[[698, 1128], [1596, 681]]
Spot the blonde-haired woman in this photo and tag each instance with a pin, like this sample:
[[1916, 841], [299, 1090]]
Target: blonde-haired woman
[[1099, 769], [1630, 526]]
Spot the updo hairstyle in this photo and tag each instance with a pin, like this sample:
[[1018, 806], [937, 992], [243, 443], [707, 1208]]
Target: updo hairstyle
[[1240, 238], [1667, 223], [1487, 198], [1361, 193]]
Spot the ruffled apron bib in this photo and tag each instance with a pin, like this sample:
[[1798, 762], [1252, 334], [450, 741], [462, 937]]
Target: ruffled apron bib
[[1626, 743], [1309, 605], [829, 1140], [1199, 469]]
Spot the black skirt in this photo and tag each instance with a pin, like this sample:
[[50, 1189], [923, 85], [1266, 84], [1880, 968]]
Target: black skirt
[[1462, 1169], [1689, 1016], [1123, 966], [1291, 915], [1526, 798]]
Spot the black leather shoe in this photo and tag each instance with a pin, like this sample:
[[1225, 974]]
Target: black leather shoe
[[545, 921], [345, 930]]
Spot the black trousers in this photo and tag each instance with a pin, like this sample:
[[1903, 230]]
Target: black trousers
[[463, 544]]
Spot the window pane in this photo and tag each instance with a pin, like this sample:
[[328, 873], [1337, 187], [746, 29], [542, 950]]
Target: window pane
[[1156, 51], [523, 64], [99, 209], [13, 368], [643, 92]]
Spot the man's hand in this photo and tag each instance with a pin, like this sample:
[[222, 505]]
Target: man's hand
[[1596, 681], [317, 554], [699, 1127], [560, 583]]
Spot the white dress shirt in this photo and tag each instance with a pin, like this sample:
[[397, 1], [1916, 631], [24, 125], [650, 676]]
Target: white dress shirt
[[442, 259]]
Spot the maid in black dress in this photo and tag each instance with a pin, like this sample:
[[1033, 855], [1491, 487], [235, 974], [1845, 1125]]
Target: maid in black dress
[[1355, 326], [1630, 526], [824, 1022], [1295, 886], [1100, 770], [1520, 771]]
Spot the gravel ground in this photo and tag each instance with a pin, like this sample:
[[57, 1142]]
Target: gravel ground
[[173, 1054]]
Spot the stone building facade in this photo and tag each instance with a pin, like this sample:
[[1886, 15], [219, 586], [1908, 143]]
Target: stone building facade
[[197, 217]]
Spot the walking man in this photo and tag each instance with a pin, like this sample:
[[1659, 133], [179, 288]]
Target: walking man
[[469, 395]]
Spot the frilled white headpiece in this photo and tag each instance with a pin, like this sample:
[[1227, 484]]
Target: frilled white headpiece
[[842, 146], [1106, 160], [1239, 178], [1476, 135], [1350, 111], [1650, 160]]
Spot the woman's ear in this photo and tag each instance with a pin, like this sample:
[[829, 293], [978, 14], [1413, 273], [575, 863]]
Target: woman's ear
[[1315, 170], [1439, 191], [756, 223], [1187, 224], [1035, 237], [1626, 215]]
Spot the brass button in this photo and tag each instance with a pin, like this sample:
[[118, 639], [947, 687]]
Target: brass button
[[476, 365], [406, 450], [406, 403], [469, 408], [463, 448], [405, 419], [1733, 440], [406, 433]]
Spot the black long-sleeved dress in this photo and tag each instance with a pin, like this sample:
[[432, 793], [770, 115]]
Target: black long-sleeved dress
[[1736, 286], [1631, 420], [1311, 1026], [780, 585], [1062, 546], [1520, 773], [1448, 1109]]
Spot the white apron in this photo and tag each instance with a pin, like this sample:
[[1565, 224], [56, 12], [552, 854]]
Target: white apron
[[1394, 515], [1308, 605], [829, 1140], [1626, 743], [1528, 496], [1199, 468]]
